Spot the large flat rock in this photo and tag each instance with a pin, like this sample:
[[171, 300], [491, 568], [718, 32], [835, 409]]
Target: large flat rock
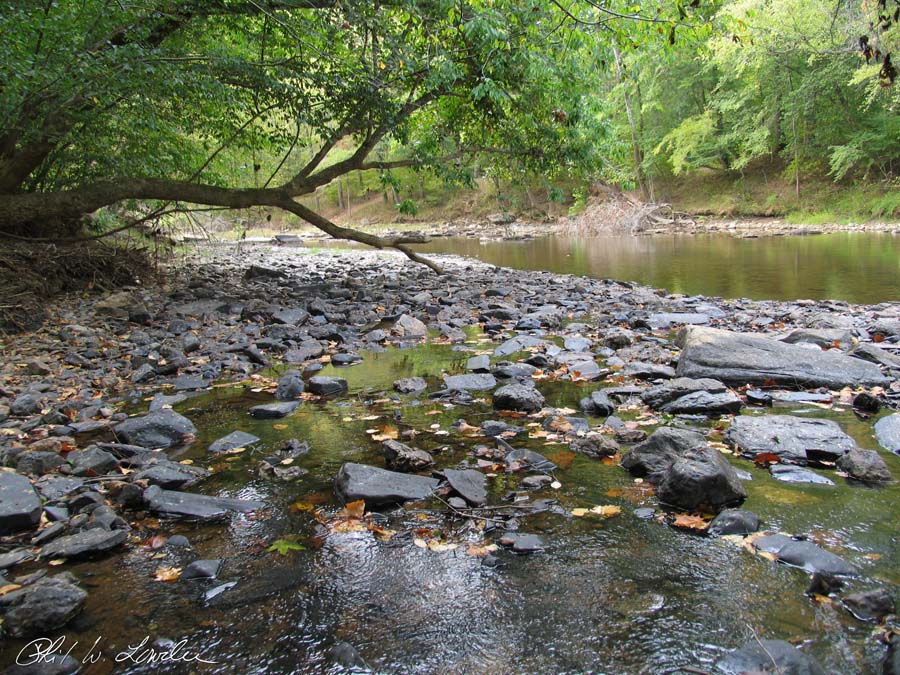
[[746, 358], [887, 432], [793, 439], [379, 486], [20, 506], [84, 544], [189, 505], [805, 555], [160, 429]]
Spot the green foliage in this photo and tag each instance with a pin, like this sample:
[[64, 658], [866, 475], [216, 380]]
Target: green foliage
[[285, 545], [407, 207]]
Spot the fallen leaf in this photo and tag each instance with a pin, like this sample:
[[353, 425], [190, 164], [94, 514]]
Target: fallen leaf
[[387, 432], [167, 573], [607, 510], [285, 546], [766, 458], [279, 427], [355, 509], [686, 521], [479, 550], [9, 588]]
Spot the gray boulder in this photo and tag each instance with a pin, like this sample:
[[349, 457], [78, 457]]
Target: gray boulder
[[769, 657], [410, 327], [887, 432], [734, 521], [705, 403], [701, 478], [20, 506], [290, 386], [871, 605], [518, 397], [793, 439], [805, 555], [680, 386], [379, 486], [400, 457], [866, 466], [45, 605], [410, 385], [743, 358], [274, 411], [160, 429], [171, 475], [189, 505], [322, 385], [236, 439], [475, 382], [653, 457], [598, 404], [84, 544], [471, 485]]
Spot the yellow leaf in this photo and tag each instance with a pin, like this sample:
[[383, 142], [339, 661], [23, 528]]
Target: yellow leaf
[[686, 521], [579, 513], [607, 510], [279, 427], [168, 573], [305, 507], [56, 562], [387, 432], [9, 588]]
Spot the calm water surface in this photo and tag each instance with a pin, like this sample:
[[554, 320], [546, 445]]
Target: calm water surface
[[857, 267]]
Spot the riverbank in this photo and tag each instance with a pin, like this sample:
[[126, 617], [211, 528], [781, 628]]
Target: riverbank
[[264, 374]]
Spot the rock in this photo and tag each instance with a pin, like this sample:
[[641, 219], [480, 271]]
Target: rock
[[769, 657], [891, 663], [826, 338], [586, 371], [653, 457], [870, 352], [866, 466], [805, 555], [598, 404], [19, 555], [171, 475], [705, 403], [871, 605], [45, 605], [161, 401], [92, 461], [160, 429], [345, 655], [668, 319], [84, 544], [476, 382], [790, 473], [471, 485], [523, 543], [529, 460], [563, 424], [379, 487], [680, 386], [518, 344], [38, 463], [236, 439], [202, 569], [290, 317], [50, 664], [648, 371], [400, 457], [274, 411], [20, 506], [595, 446], [493, 428], [739, 358], [24, 405], [887, 432], [410, 327], [734, 521], [53, 488], [536, 482], [513, 371], [793, 439], [518, 397], [321, 385], [578, 344], [866, 402], [410, 385], [701, 478], [290, 386], [187, 504], [479, 364], [304, 352]]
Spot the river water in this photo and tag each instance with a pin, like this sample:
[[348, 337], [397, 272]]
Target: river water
[[857, 267]]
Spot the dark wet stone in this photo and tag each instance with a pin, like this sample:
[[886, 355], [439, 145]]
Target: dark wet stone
[[190, 382], [793, 439], [700, 478], [171, 475], [290, 317], [24, 405], [513, 371], [92, 461], [202, 569], [653, 457], [791, 473], [189, 505], [84, 544], [304, 352], [410, 385], [45, 605], [871, 605], [523, 543], [805, 555], [705, 403], [870, 352], [378, 486], [346, 656], [52, 488], [322, 385], [178, 541], [891, 663], [38, 462], [475, 381], [274, 411], [734, 521], [769, 657], [20, 506], [867, 402], [18, 555], [595, 446], [496, 427], [645, 513], [680, 386], [743, 358], [236, 439], [518, 344], [825, 338], [648, 371], [470, 484], [290, 386], [479, 364], [400, 457], [518, 397], [161, 401], [566, 424], [340, 360], [758, 397], [529, 460], [865, 466], [598, 404], [159, 429], [887, 432]]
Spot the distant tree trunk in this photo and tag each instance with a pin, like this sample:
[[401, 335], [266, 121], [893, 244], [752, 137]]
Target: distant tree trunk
[[637, 153], [340, 196]]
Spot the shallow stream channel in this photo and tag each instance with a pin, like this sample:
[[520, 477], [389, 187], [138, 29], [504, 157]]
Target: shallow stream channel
[[613, 582]]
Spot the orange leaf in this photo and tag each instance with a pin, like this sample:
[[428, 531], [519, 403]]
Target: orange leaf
[[355, 509], [688, 522], [766, 458], [168, 573]]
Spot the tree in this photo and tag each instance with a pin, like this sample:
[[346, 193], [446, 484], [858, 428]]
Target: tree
[[103, 102]]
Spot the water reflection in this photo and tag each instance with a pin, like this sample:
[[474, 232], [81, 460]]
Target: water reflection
[[855, 267]]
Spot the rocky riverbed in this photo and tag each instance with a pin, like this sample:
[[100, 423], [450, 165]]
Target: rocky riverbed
[[521, 394]]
